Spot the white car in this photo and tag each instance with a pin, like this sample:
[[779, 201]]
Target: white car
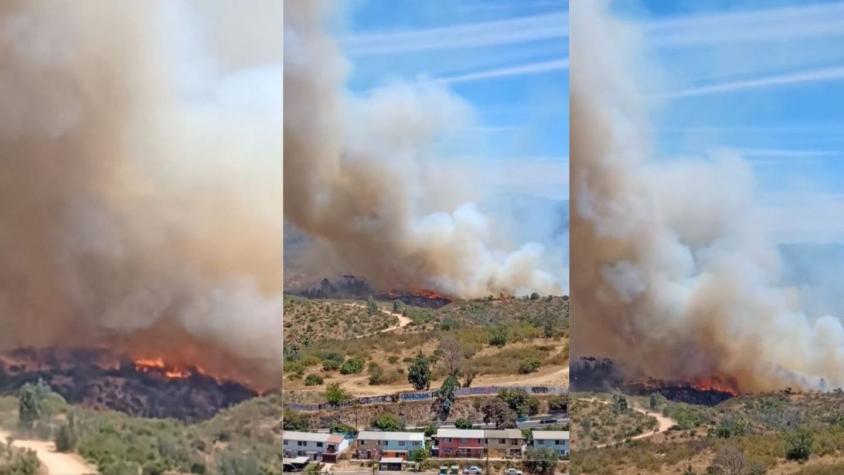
[[473, 470], [512, 471]]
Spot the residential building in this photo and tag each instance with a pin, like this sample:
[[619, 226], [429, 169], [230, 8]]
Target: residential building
[[375, 445], [555, 439], [461, 443], [504, 443], [314, 445]]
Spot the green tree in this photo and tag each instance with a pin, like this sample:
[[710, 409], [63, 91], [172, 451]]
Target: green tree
[[419, 372], [388, 422], [29, 406], [463, 423], [67, 437], [619, 404], [798, 444], [541, 461], [336, 395], [371, 306], [519, 401], [419, 455], [654, 402], [497, 412], [445, 397]]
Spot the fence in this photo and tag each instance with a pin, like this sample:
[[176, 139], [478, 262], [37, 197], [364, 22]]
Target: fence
[[413, 396]]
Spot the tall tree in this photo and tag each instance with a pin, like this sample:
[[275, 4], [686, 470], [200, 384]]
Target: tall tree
[[419, 372]]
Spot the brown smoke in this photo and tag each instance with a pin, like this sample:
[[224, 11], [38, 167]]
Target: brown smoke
[[672, 273], [361, 178], [139, 209]]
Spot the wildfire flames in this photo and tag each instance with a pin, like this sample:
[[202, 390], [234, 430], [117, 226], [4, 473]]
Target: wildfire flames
[[146, 385], [716, 385], [147, 365]]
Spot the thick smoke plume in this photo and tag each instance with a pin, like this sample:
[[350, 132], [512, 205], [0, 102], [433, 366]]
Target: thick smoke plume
[[673, 275], [361, 177], [140, 202]]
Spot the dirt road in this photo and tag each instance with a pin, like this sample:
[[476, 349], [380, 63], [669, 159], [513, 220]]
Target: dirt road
[[56, 463], [664, 422], [403, 321]]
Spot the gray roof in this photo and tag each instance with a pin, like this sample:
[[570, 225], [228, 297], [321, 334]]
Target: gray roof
[[460, 433], [407, 436], [550, 434], [504, 434]]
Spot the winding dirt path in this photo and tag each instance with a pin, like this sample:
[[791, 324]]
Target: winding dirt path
[[403, 321], [56, 463], [664, 422]]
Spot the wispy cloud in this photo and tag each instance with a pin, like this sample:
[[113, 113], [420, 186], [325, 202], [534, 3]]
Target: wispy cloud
[[815, 75], [492, 33], [779, 24], [518, 70]]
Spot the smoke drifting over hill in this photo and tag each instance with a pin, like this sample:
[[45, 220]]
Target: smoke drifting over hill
[[360, 179], [140, 197], [673, 275]]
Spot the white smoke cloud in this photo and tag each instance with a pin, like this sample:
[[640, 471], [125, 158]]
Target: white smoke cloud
[[674, 274], [363, 175]]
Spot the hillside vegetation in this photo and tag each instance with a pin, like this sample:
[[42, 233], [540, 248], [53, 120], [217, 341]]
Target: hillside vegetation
[[783, 433], [484, 341], [242, 440]]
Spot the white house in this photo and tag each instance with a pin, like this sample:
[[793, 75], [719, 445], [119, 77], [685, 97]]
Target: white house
[[554, 439], [373, 444], [314, 445]]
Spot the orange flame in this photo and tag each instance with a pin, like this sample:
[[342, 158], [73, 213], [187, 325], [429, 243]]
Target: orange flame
[[715, 384], [146, 365]]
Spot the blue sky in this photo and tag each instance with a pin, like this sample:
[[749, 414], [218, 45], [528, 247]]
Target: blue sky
[[507, 59], [766, 79]]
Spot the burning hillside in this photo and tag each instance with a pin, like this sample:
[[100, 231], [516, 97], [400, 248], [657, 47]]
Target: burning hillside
[[125, 220], [676, 274], [602, 375], [149, 387]]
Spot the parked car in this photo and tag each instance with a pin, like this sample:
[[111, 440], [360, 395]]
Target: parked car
[[472, 470], [454, 470], [548, 420], [512, 471], [443, 470]]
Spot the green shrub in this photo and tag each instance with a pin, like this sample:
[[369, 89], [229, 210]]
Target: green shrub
[[352, 366], [498, 336], [313, 380], [798, 444], [529, 366], [331, 361]]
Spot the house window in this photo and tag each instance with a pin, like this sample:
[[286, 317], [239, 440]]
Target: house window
[[319, 444], [462, 441], [300, 443], [285, 441], [503, 441], [401, 443], [331, 448], [449, 439], [557, 442]]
